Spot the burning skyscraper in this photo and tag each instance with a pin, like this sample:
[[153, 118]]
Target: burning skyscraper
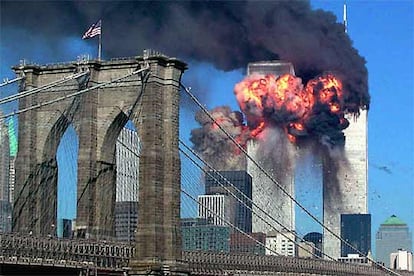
[[345, 179], [284, 116], [273, 151], [321, 106]]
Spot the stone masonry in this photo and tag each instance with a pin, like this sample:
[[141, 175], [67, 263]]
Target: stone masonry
[[98, 117]]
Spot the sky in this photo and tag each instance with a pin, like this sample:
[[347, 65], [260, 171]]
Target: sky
[[380, 31]]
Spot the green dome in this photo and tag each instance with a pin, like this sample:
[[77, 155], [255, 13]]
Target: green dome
[[393, 220]]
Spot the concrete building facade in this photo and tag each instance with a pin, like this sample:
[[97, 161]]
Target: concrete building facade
[[402, 260], [345, 179], [283, 243], [216, 209], [151, 101], [393, 235]]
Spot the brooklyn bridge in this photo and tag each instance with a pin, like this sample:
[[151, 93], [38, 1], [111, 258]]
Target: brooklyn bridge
[[98, 98]]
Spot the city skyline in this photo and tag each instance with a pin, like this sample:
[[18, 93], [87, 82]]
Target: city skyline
[[391, 165]]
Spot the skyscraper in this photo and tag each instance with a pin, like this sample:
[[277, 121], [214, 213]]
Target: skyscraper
[[5, 206], [356, 230], [126, 205], [279, 165], [345, 178], [392, 235], [241, 181]]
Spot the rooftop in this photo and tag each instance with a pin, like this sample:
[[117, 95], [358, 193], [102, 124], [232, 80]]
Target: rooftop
[[393, 220]]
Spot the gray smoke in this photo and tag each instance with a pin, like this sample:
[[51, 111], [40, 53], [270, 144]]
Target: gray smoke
[[213, 144], [228, 34]]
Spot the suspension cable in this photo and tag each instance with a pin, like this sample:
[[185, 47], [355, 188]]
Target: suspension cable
[[73, 94], [43, 87], [242, 202], [7, 81], [276, 183], [228, 222]]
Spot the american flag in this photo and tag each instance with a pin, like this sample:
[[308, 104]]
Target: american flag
[[93, 30]]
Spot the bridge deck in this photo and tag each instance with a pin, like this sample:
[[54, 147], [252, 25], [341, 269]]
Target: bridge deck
[[112, 258]]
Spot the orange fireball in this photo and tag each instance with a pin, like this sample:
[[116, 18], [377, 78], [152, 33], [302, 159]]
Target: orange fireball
[[287, 102]]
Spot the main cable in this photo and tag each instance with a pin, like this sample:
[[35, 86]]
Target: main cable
[[27, 93], [73, 94], [7, 81]]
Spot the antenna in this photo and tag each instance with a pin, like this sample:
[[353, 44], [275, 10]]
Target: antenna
[[345, 21]]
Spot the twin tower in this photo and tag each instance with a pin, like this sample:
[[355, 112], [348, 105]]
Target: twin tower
[[344, 173]]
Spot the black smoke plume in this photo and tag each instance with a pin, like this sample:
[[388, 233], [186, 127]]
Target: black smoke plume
[[228, 34]]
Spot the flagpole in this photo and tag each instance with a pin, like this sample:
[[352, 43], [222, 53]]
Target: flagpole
[[100, 44]]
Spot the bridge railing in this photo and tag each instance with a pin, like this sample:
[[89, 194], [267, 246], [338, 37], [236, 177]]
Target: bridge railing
[[19, 248], [115, 256], [200, 261]]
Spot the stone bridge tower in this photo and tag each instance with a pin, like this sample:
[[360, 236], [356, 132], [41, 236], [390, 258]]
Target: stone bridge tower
[[151, 100]]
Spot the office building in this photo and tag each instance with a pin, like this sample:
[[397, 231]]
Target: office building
[[126, 219], [128, 148], [354, 259], [216, 209], [306, 249], [13, 154], [402, 260], [283, 243], [345, 179], [199, 234], [5, 206], [238, 183], [279, 165], [317, 239], [252, 243], [393, 235], [64, 228], [356, 230]]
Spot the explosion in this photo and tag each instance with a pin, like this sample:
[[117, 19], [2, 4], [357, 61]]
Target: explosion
[[303, 113], [314, 110]]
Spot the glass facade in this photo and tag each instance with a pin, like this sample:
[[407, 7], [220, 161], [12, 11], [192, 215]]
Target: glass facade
[[243, 182], [197, 234], [5, 205], [356, 230]]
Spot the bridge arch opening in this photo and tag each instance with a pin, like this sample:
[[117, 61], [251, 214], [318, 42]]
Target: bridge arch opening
[[57, 132], [116, 190], [67, 157]]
